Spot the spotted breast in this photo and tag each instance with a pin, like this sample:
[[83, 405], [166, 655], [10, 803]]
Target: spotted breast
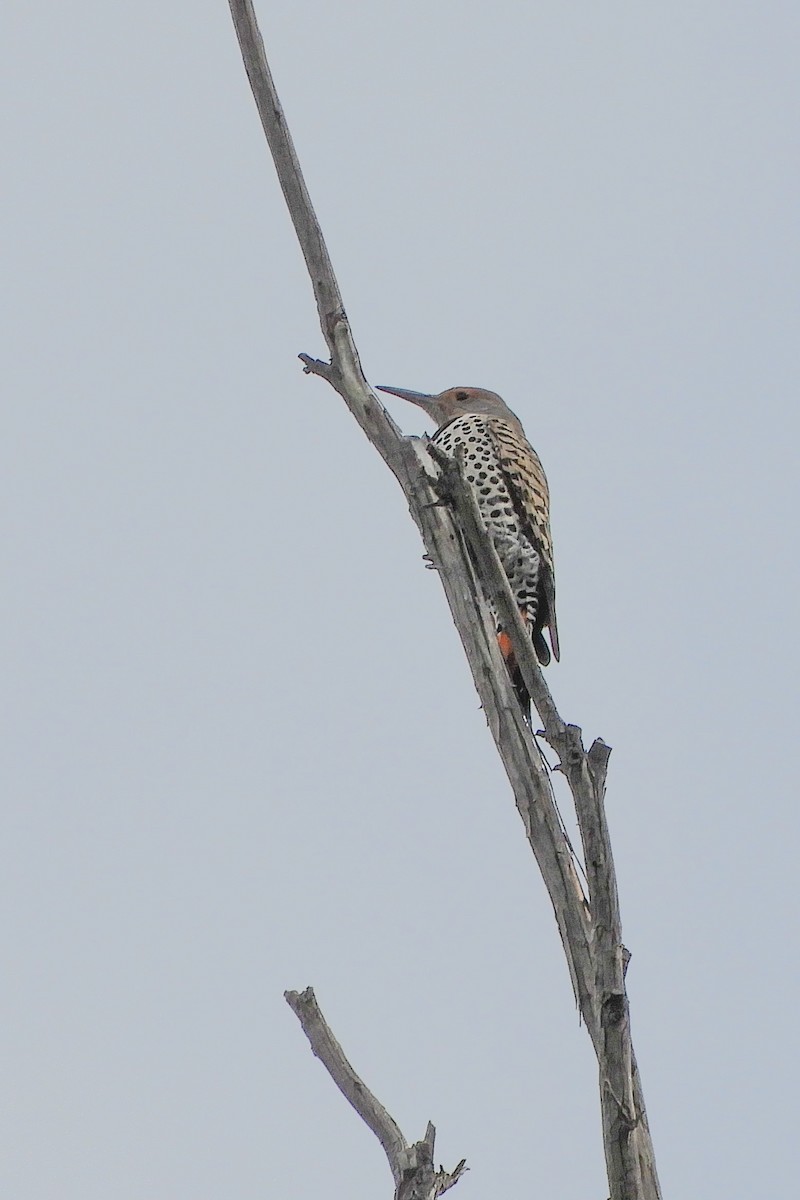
[[510, 487]]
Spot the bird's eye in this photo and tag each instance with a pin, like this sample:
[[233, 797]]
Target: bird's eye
[[461, 395]]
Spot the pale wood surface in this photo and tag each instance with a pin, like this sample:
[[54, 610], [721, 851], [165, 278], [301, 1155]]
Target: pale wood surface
[[412, 1166]]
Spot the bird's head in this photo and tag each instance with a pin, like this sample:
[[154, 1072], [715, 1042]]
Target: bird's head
[[456, 402]]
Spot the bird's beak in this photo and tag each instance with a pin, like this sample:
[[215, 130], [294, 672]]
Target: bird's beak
[[419, 398]]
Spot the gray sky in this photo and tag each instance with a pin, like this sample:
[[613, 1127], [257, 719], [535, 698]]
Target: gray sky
[[241, 749]]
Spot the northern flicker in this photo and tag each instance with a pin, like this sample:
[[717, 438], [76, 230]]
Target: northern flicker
[[510, 487]]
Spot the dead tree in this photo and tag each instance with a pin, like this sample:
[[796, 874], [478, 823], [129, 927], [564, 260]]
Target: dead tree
[[445, 512]]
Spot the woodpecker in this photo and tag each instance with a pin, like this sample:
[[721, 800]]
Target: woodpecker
[[510, 487]]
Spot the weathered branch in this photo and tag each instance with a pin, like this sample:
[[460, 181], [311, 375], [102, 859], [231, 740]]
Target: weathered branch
[[412, 1166], [344, 371], [630, 1161], [329, 1052], [457, 545]]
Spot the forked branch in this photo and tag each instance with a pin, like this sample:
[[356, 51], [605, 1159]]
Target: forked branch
[[415, 1177], [457, 546]]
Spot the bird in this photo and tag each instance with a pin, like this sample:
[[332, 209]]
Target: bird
[[509, 484]]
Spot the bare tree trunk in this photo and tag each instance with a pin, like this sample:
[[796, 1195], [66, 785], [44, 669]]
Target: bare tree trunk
[[471, 574]]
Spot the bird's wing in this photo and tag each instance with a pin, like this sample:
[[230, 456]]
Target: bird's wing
[[527, 484]]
